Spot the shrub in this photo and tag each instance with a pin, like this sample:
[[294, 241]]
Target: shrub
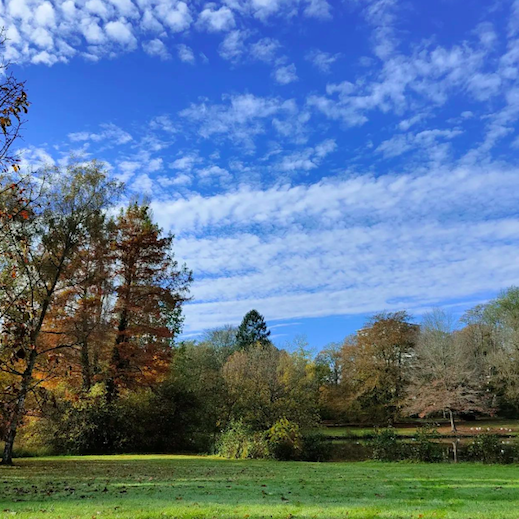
[[316, 447], [490, 448], [285, 440], [239, 442], [386, 446], [425, 448]]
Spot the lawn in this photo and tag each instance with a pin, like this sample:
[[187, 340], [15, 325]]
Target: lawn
[[205, 487]]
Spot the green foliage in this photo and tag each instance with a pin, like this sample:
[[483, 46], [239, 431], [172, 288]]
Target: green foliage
[[239, 442], [285, 440], [426, 447], [88, 426], [164, 420], [490, 448], [252, 330], [386, 445], [316, 447]]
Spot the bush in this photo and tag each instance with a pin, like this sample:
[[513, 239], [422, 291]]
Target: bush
[[144, 421], [386, 446], [285, 440], [239, 442], [316, 447], [425, 448], [490, 448]]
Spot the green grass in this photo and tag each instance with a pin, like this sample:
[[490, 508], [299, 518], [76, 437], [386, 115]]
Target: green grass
[[156, 487]]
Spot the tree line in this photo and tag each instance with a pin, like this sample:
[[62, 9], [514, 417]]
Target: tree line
[[91, 300]]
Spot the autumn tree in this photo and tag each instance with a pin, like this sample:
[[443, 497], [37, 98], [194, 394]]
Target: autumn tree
[[445, 375], [14, 105], [37, 248], [150, 292], [83, 310], [376, 364], [252, 330], [329, 366]]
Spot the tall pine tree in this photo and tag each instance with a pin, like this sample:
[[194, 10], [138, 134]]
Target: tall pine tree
[[252, 330]]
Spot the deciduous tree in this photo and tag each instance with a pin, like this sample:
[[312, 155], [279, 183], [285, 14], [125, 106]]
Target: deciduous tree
[[37, 249], [445, 376]]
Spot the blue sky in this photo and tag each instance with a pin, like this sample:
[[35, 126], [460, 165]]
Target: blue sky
[[318, 161]]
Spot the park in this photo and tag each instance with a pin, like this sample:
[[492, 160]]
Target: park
[[258, 259]]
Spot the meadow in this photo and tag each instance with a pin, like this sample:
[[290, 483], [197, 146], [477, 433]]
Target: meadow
[[163, 486]]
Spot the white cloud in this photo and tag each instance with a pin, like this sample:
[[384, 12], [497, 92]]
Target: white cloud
[[308, 158], [286, 74], [110, 135], [233, 45], [185, 163], [156, 47], [121, 33], [426, 140], [265, 49], [177, 18], [318, 9], [53, 31], [428, 77], [322, 60], [44, 15], [185, 53], [142, 184], [95, 29], [347, 246], [216, 20], [239, 118]]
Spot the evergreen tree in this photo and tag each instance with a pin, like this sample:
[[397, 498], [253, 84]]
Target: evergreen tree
[[252, 330]]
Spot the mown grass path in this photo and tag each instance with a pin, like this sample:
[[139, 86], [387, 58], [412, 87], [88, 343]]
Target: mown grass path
[[156, 487]]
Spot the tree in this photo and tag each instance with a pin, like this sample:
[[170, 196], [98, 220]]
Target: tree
[[377, 364], [497, 327], [37, 248], [252, 330], [83, 309], [329, 365], [445, 376], [222, 340], [329, 360], [148, 309], [14, 105], [265, 384]]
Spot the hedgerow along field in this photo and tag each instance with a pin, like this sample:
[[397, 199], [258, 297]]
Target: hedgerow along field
[[162, 486]]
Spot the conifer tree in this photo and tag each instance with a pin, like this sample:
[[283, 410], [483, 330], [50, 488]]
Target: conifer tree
[[151, 290], [252, 330]]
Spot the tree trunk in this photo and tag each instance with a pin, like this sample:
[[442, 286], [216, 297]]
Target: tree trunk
[[116, 363], [453, 424], [455, 451], [85, 367], [18, 411]]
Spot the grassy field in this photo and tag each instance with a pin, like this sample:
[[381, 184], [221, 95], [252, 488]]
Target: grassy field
[[504, 428], [204, 487]]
